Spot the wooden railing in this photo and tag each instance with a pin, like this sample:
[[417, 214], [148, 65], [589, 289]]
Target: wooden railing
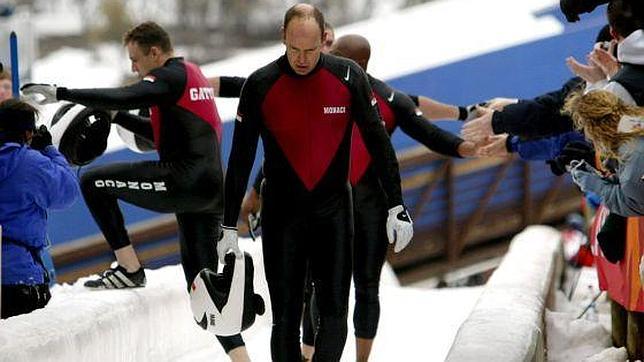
[[460, 238]]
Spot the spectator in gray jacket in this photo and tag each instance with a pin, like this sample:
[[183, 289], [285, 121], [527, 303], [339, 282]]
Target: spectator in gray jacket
[[598, 114]]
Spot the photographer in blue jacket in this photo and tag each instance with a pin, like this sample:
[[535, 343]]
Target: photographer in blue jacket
[[34, 177]]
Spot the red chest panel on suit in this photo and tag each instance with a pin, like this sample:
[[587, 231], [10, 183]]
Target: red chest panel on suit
[[360, 158], [308, 117]]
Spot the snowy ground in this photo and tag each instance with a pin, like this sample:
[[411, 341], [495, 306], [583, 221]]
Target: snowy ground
[[415, 324], [154, 323], [570, 338]]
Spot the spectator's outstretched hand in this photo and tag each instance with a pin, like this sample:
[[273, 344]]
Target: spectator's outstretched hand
[[591, 73], [477, 130], [495, 146], [499, 103], [604, 59]]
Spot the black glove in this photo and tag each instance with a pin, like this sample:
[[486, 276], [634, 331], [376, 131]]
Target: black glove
[[612, 237], [41, 139], [574, 150], [572, 8]]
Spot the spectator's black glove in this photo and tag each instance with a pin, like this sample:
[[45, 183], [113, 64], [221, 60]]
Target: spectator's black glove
[[41, 139], [612, 237], [574, 150], [572, 8]]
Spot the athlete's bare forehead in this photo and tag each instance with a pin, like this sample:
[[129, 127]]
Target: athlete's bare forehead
[[303, 34]]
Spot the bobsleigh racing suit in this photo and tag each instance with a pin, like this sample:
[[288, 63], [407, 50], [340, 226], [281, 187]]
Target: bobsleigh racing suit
[[187, 180], [305, 122]]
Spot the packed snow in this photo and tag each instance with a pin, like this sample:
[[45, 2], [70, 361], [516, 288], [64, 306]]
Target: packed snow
[[155, 323]]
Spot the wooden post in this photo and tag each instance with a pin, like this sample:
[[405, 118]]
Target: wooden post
[[635, 336], [619, 319], [451, 239]]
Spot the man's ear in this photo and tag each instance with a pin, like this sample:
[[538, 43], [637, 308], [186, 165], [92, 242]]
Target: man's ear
[[283, 34], [155, 51]]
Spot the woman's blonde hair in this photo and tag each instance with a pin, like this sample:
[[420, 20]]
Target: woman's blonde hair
[[597, 114]]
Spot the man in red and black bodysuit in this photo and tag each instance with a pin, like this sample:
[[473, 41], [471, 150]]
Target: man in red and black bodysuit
[[187, 180], [303, 105]]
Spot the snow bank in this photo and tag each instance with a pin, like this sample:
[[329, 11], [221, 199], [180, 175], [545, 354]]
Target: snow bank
[[572, 339], [147, 324], [507, 322], [155, 323]]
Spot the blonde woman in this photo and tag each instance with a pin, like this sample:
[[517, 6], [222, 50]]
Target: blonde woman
[[599, 114]]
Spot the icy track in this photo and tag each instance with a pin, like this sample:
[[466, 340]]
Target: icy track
[[155, 324]]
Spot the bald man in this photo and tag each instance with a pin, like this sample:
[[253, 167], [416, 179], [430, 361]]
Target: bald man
[[369, 200], [304, 106]]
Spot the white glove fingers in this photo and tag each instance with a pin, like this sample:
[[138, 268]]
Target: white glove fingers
[[390, 234]]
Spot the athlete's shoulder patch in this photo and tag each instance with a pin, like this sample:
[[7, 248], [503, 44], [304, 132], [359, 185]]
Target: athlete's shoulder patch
[[374, 101], [149, 78]]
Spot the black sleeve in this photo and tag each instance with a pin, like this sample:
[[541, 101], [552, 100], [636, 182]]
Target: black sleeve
[[150, 91], [540, 117], [365, 112], [137, 124], [417, 127], [414, 99], [230, 87], [556, 99], [242, 154]]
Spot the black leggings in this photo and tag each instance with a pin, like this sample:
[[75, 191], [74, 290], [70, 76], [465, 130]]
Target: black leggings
[[310, 315], [163, 187], [297, 233], [370, 248], [370, 245]]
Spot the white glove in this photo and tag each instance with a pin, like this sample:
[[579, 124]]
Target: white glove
[[399, 227], [47, 92], [227, 242]]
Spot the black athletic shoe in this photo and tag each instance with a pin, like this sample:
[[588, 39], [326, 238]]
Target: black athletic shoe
[[118, 278]]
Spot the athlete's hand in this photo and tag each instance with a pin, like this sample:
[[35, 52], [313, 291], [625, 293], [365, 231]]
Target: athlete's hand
[[400, 228], [468, 149], [250, 209], [40, 93], [227, 242]]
